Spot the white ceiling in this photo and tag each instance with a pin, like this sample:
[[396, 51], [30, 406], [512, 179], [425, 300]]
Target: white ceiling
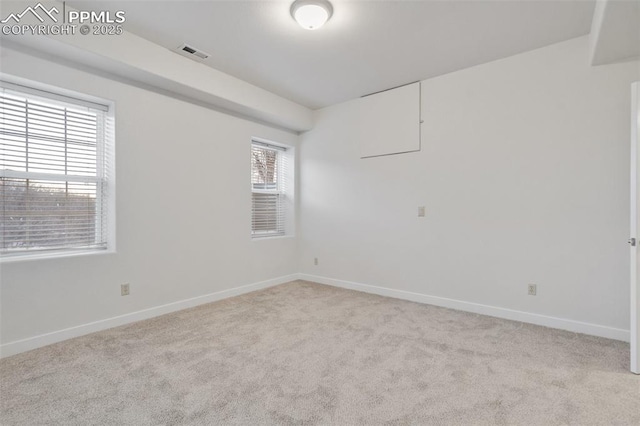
[[616, 31], [367, 46]]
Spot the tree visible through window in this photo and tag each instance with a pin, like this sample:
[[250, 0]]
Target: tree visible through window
[[268, 186], [53, 174]]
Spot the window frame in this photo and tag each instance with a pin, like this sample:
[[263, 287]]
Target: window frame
[[284, 190], [105, 167]]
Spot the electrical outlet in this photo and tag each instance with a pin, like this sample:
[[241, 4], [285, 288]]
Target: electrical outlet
[[421, 211], [315, 261], [532, 289], [124, 289]]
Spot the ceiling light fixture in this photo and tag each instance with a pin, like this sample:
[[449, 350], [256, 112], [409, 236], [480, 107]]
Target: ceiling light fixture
[[311, 14]]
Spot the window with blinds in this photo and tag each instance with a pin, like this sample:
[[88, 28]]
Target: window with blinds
[[53, 172], [269, 189]]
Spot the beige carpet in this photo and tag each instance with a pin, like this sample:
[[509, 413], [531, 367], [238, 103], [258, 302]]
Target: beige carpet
[[304, 353]]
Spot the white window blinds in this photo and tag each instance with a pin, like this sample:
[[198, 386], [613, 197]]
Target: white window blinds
[[53, 173], [269, 178]]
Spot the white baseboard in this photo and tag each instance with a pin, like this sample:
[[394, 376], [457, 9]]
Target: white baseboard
[[18, 346], [547, 321]]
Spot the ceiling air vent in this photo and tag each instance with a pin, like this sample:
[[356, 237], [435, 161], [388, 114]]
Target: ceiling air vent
[[192, 52]]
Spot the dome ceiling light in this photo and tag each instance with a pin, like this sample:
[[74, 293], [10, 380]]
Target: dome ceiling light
[[311, 14]]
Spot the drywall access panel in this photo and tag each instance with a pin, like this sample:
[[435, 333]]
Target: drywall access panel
[[390, 121]]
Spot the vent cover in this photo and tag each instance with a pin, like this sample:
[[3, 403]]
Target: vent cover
[[192, 52]]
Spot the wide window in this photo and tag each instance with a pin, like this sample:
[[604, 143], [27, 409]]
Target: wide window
[[270, 190], [54, 182]]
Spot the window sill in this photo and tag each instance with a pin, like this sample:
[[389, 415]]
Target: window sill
[[52, 255], [275, 237]]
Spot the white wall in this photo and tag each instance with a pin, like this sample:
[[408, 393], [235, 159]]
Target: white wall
[[183, 213], [524, 173], [523, 170]]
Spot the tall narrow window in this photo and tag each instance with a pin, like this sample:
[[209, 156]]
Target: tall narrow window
[[269, 190], [53, 172]]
